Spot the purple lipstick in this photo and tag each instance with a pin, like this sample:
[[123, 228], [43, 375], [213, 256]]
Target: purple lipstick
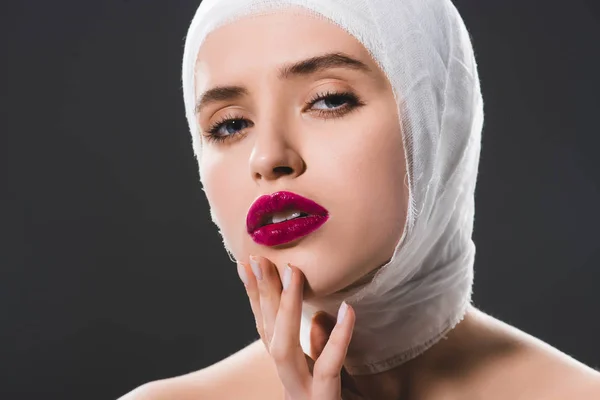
[[283, 217]]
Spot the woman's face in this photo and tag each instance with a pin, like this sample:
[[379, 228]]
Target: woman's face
[[279, 132]]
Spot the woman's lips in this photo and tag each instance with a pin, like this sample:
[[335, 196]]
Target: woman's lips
[[272, 234]]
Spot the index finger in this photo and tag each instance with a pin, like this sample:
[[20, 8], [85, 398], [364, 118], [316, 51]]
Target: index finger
[[285, 348]]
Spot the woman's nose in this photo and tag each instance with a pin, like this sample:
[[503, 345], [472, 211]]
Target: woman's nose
[[273, 157]]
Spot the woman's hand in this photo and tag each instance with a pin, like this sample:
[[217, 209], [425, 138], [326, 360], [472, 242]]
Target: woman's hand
[[277, 305]]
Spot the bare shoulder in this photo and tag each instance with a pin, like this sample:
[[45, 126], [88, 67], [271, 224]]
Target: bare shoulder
[[535, 370], [558, 375], [248, 374]]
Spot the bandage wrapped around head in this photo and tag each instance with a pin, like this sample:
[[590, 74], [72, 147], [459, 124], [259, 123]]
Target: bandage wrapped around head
[[424, 49]]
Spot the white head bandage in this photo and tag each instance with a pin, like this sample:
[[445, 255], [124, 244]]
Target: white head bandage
[[424, 49]]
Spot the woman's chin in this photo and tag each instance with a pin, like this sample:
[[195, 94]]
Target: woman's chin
[[325, 274], [320, 288]]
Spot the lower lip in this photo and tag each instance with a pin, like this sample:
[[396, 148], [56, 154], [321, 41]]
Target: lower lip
[[287, 231]]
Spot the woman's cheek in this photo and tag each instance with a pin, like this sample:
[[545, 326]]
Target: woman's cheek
[[229, 195], [214, 187]]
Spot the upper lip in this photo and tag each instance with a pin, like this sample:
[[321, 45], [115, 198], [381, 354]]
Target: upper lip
[[267, 205]]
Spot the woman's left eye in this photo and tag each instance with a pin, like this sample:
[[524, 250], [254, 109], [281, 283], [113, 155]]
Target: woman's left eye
[[334, 102]]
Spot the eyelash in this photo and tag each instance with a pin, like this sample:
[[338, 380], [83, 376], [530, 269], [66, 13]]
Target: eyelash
[[352, 102]]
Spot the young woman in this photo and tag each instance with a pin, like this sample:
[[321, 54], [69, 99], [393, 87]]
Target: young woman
[[338, 144]]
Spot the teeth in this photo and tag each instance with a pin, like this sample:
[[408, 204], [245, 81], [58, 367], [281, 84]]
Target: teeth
[[284, 216]]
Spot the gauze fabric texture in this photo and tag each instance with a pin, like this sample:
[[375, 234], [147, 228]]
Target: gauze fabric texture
[[425, 50]]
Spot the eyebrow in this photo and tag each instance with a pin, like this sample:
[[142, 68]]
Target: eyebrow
[[300, 68]]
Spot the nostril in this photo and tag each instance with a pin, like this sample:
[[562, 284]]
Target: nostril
[[276, 172], [282, 171]]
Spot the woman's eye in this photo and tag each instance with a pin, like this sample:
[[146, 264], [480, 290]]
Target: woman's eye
[[334, 104], [227, 127], [334, 101]]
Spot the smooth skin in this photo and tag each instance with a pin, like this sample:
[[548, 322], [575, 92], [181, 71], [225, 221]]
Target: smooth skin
[[277, 309], [300, 133], [277, 314], [284, 146], [482, 358]]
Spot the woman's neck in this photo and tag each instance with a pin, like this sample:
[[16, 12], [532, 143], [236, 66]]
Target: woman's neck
[[444, 367]]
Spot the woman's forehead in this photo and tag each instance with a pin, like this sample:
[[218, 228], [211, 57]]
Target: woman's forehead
[[266, 43]]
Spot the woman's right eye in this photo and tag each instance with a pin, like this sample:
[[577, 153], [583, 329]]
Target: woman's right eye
[[226, 127]]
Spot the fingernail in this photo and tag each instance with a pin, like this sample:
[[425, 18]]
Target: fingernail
[[242, 273], [342, 312], [255, 268], [287, 276]]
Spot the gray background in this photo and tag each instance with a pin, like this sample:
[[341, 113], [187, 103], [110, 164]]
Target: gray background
[[112, 273]]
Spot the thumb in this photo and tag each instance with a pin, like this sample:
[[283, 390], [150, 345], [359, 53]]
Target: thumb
[[320, 330]]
